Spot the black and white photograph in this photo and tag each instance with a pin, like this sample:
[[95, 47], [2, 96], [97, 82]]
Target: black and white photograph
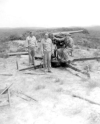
[[49, 62]]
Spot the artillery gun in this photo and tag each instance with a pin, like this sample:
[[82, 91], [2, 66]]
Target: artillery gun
[[55, 60], [61, 62]]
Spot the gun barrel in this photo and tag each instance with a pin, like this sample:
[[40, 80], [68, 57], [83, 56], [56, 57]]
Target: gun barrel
[[17, 53], [67, 32], [24, 53], [71, 32], [86, 59]]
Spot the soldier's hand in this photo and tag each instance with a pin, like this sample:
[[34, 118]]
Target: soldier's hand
[[52, 52]]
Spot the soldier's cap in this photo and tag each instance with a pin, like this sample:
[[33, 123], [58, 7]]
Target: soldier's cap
[[32, 33], [50, 34]]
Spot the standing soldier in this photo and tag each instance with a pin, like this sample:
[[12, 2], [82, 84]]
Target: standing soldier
[[32, 44], [46, 45]]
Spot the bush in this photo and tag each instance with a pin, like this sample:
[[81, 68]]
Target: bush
[[15, 37]]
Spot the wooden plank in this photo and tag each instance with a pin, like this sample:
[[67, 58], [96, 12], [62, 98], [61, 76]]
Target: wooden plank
[[6, 89], [9, 97], [35, 67], [17, 53], [78, 70], [23, 53], [6, 74], [74, 68], [26, 68], [22, 98], [86, 59], [19, 95], [92, 102], [4, 99], [28, 96]]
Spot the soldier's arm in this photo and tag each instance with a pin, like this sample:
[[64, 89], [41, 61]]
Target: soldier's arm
[[51, 47], [36, 43], [42, 47]]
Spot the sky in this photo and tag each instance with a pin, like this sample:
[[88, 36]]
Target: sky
[[49, 13]]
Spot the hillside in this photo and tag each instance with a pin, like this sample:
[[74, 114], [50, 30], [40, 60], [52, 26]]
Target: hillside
[[89, 38], [9, 35]]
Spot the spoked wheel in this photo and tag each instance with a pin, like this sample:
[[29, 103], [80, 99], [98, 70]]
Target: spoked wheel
[[58, 63], [55, 63]]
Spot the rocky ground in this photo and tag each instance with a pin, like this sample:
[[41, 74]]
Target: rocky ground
[[63, 96]]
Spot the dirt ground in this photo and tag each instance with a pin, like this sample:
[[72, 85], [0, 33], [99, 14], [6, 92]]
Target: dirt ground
[[62, 97]]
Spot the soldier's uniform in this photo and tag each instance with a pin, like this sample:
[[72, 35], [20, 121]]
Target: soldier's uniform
[[32, 44], [47, 51], [69, 43]]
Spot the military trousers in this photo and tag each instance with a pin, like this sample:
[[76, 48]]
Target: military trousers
[[32, 51], [47, 60]]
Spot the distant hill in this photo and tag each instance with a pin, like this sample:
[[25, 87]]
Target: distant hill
[[94, 31], [95, 28]]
